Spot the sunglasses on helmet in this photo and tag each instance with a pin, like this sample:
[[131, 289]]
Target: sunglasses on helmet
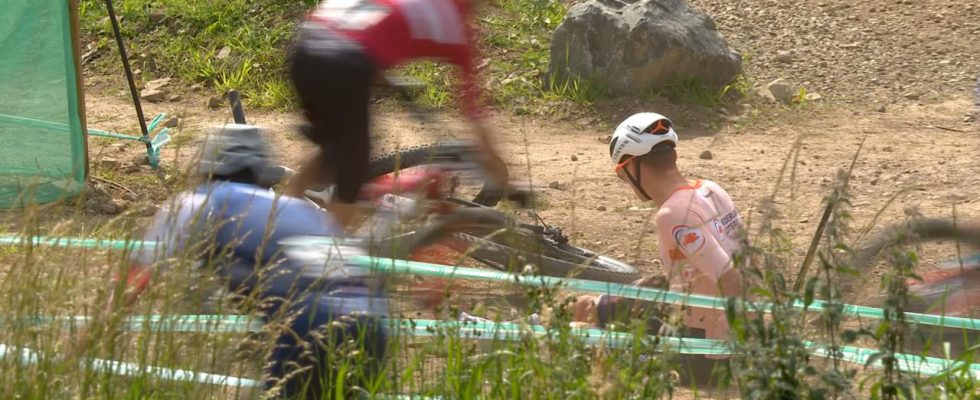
[[661, 127]]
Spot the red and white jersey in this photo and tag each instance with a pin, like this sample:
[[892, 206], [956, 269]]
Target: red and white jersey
[[698, 236], [394, 32]]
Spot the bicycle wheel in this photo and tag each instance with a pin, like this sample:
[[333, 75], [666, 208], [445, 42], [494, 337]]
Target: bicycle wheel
[[496, 240], [924, 230], [465, 187], [949, 277]]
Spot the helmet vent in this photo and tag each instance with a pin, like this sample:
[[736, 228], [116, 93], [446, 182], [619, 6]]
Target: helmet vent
[[612, 145]]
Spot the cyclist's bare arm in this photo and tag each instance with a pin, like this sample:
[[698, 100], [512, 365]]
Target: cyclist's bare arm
[[493, 164]]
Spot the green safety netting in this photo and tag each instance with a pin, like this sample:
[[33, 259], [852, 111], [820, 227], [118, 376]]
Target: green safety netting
[[42, 135]]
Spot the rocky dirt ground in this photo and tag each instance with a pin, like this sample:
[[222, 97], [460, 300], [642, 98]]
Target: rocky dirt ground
[[878, 51], [898, 75]]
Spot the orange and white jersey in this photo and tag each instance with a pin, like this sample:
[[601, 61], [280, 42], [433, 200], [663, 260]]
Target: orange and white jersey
[[698, 236]]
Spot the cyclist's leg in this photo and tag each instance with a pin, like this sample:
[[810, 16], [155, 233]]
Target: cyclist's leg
[[333, 79], [325, 334]]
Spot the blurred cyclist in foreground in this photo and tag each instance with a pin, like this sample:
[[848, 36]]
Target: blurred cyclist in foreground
[[278, 252]]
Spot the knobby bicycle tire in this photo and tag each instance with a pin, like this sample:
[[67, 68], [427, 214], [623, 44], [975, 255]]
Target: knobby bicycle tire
[[494, 239], [428, 154], [920, 231], [923, 230]]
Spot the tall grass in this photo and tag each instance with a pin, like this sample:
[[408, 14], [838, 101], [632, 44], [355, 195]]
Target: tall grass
[[770, 358]]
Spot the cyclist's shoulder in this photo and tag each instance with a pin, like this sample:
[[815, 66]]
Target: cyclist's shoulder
[[232, 198], [690, 204], [261, 209], [713, 186], [227, 193]]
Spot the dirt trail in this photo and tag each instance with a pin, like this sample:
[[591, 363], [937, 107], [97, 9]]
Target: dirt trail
[[906, 148], [868, 51], [918, 59]]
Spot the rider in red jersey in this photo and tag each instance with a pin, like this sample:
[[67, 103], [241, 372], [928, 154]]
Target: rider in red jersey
[[340, 51]]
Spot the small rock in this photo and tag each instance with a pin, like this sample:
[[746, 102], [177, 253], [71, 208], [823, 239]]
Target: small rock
[[108, 163], [812, 97], [93, 191], [157, 83], [785, 57], [107, 206], [174, 98], [804, 220], [765, 94], [781, 90], [149, 210], [887, 149], [153, 95], [172, 123], [600, 208], [912, 96], [574, 157], [555, 185], [706, 155], [197, 87], [215, 102], [223, 53], [157, 16], [584, 121], [956, 197], [881, 109], [522, 110], [970, 118]]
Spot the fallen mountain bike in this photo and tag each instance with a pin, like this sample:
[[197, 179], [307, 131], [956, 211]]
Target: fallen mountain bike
[[435, 195]]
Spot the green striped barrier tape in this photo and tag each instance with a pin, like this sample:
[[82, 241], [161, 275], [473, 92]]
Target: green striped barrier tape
[[387, 265], [486, 331], [634, 292], [28, 356]]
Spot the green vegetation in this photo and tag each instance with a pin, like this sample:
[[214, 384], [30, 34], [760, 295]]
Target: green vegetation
[[516, 37], [771, 358], [223, 44], [695, 92], [241, 44]]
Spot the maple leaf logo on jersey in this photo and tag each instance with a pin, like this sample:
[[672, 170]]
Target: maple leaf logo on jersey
[[689, 240]]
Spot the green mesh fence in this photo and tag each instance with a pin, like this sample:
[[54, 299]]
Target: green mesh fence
[[42, 139]]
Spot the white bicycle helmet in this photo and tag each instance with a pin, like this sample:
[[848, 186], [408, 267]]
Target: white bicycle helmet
[[638, 134], [234, 149]]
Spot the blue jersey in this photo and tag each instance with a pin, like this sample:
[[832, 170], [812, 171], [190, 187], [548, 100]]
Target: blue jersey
[[232, 227], [281, 249]]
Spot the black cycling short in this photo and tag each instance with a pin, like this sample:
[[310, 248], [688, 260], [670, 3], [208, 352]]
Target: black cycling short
[[333, 77]]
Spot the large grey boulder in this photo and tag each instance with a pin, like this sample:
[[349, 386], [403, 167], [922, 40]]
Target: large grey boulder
[[636, 45]]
